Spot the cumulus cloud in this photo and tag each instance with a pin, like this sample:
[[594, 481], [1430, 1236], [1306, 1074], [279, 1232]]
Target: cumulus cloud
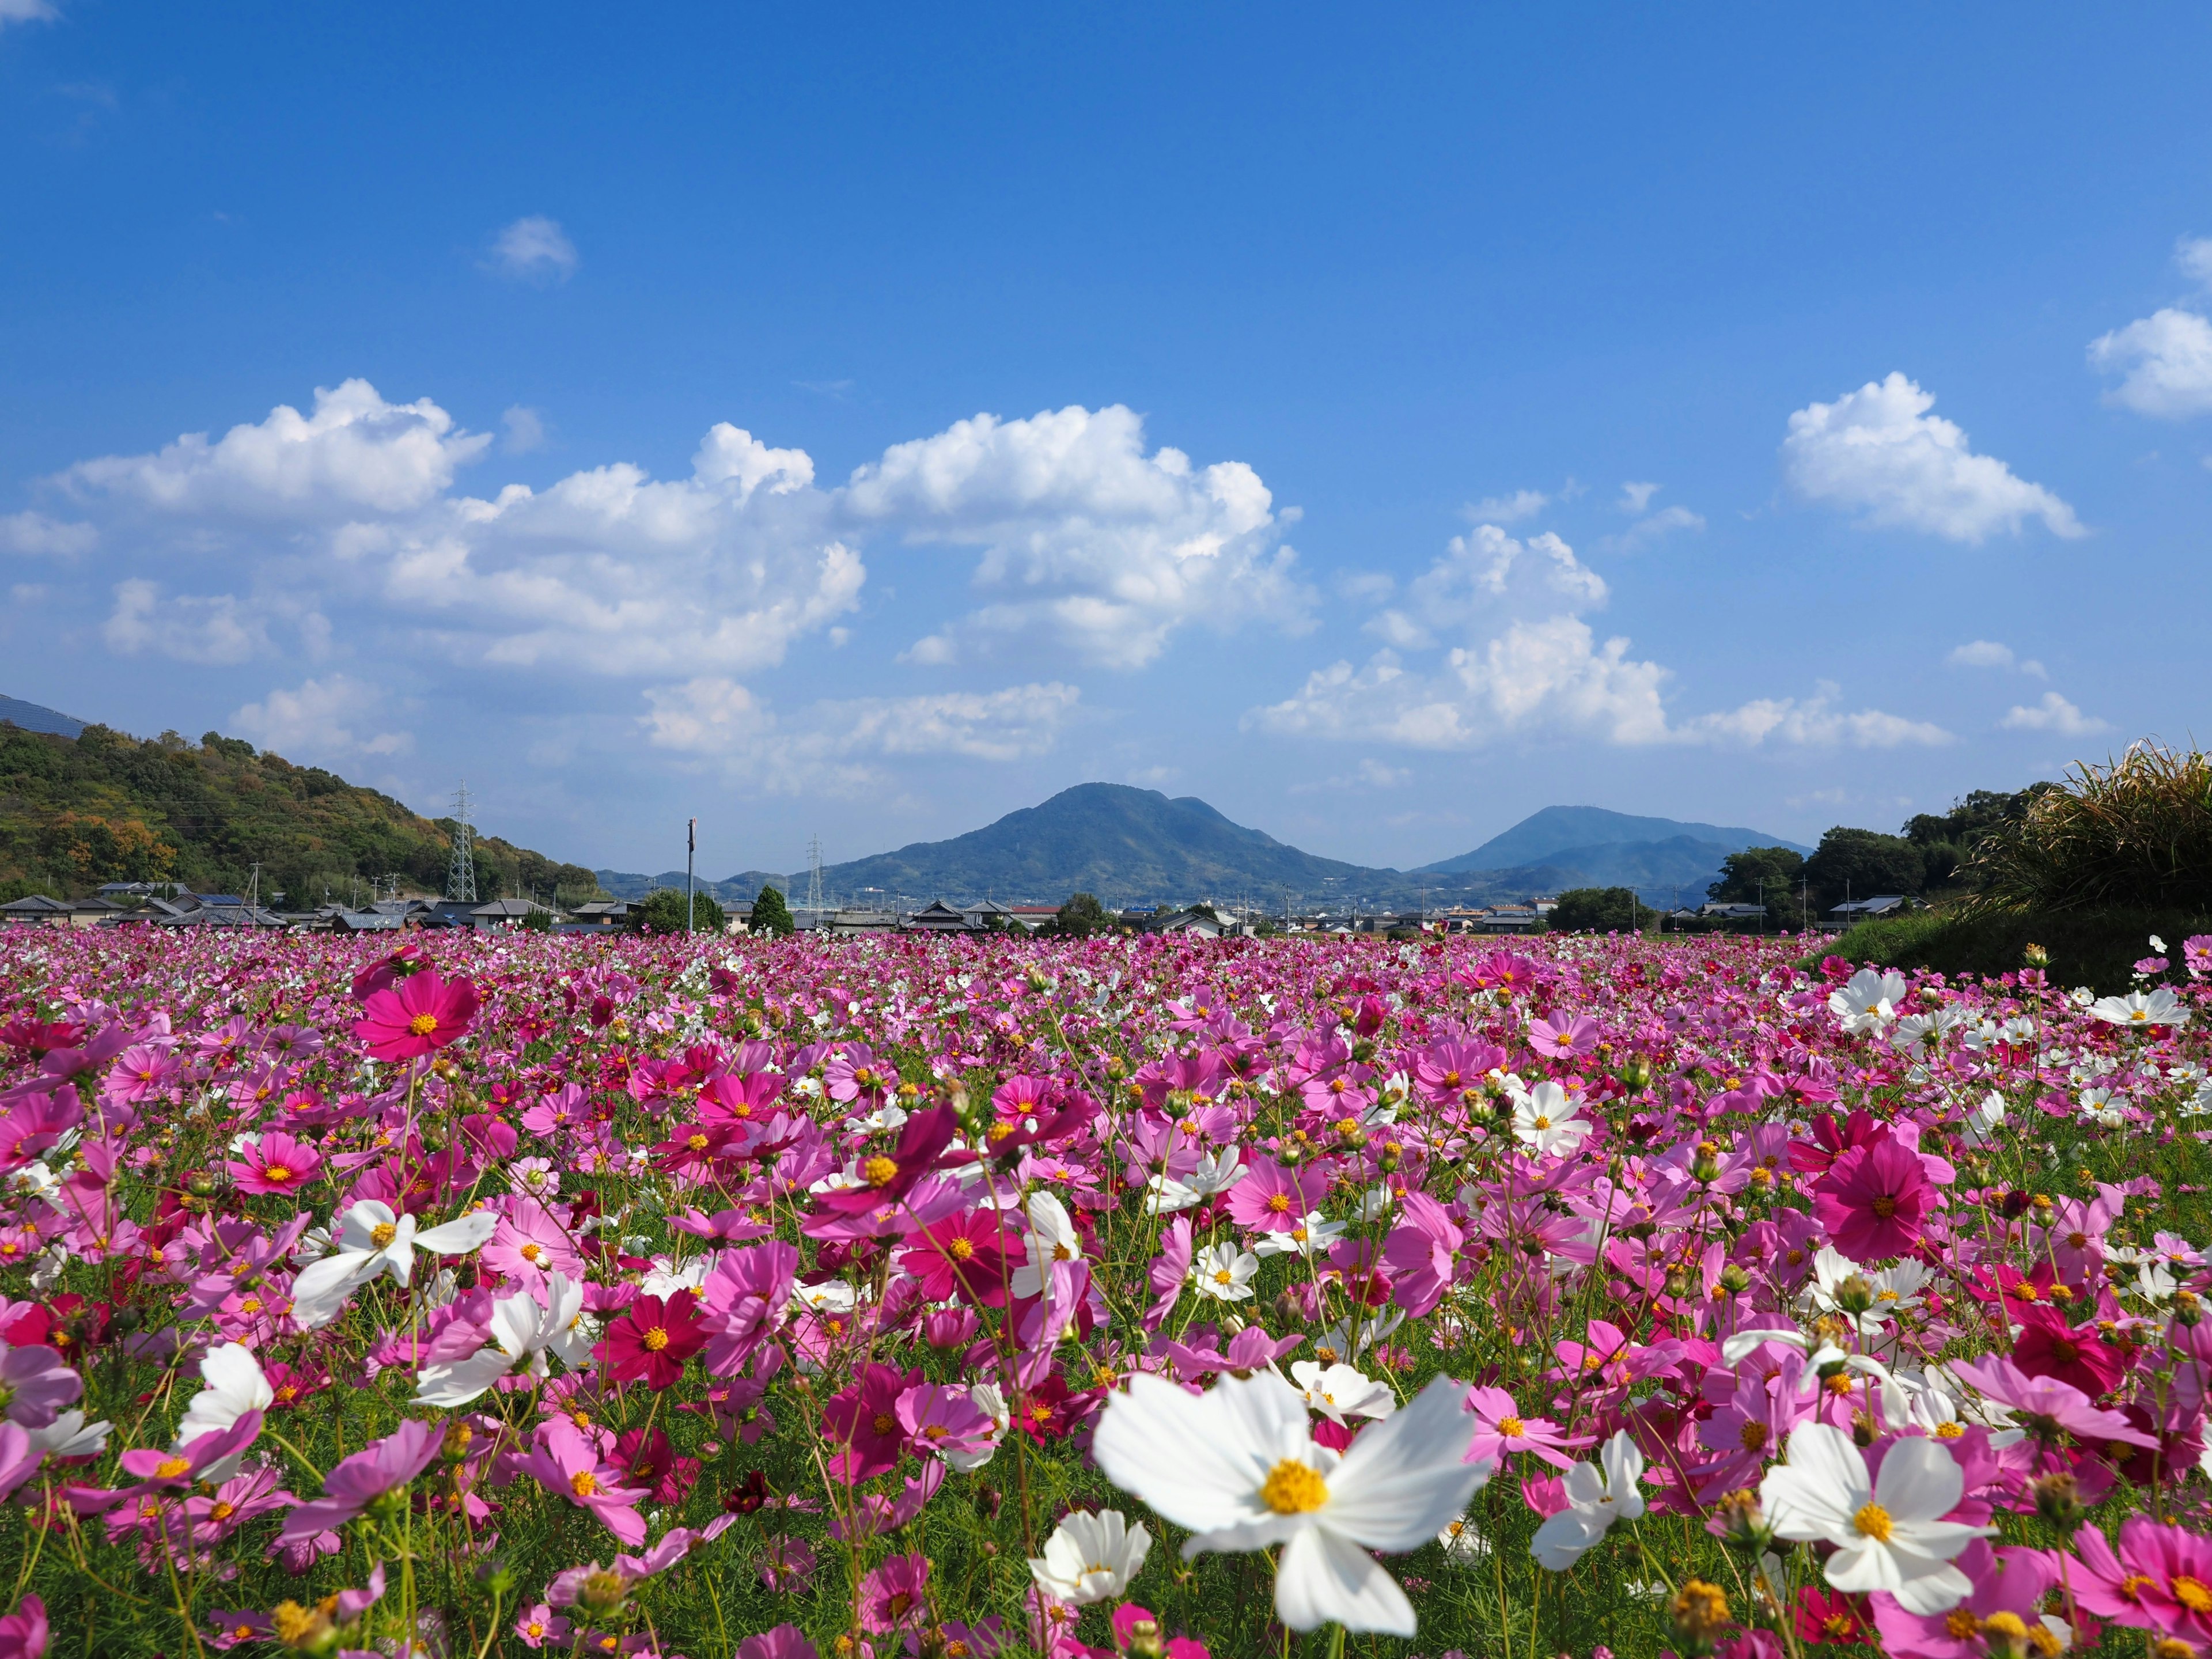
[[39, 536], [1990, 653], [1877, 452], [1511, 509], [536, 249], [320, 720], [1635, 497], [1085, 537], [2056, 715], [525, 430], [831, 743], [355, 454], [215, 630], [1519, 659], [2166, 363], [1655, 527]]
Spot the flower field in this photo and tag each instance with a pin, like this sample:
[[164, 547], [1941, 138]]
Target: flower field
[[950, 1298]]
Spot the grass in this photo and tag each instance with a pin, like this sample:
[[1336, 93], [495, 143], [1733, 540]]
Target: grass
[[2096, 948]]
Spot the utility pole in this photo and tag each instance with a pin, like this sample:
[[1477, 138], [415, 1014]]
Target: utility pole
[[690, 879], [461, 874]]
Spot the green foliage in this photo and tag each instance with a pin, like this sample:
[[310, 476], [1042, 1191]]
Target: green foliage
[[663, 912], [1081, 916], [2096, 948], [1600, 910], [1757, 875], [2133, 834], [1860, 864], [1948, 841], [107, 807], [771, 915]]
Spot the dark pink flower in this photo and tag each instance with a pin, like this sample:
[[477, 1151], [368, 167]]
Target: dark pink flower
[[1274, 1199], [892, 1597], [1873, 1198], [276, 1163], [422, 1014], [358, 1481]]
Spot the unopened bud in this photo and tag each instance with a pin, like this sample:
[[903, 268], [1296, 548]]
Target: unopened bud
[[458, 1435], [1855, 1295], [1735, 1279], [1741, 1524], [1144, 1638], [2058, 1500], [2188, 1307], [602, 1592], [1700, 1612], [2036, 956]]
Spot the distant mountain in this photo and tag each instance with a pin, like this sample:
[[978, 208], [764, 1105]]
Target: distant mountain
[[33, 718], [1138, 846], [1549, 836]]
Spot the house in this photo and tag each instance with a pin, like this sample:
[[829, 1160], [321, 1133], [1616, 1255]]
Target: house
[[233, 914], [1033, 916], [508, 912], [1866, 910], [602, 913], [1511, 919], [937, 917], [863, 921], [988, 913], [1733, 912], [35, 911]]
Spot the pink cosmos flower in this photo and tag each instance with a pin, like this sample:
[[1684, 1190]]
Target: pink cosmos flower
[[2048, 1346], [569, 1465], [1501, 1431], [36, 1384], [787, 1564], [891, 1596], [937, 1419], [1423, 1254], [359, 1480], [885, 1178], [1567, 1037], [1274, 1199], [540, 1624], [1446, 1072], [528, 1244], [784, 1642], [2161, 1579], [861, 1420], [2045, 1405], [2005, 1581], [1873, 1198], [422, 1014], [277, 1163], [23, 1632], [1170, 1265]]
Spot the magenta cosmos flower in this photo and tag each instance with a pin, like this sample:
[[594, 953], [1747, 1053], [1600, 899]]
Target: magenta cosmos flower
[[862, 1421], [23, 1632], [1565, 1037], [360, 1479], [650, 1343], [567, 1463], [1501, 1431], [421, 1014], [1273, 1198], [891, 1597], [276, 1163], [1873, 1198], [886, 1176]]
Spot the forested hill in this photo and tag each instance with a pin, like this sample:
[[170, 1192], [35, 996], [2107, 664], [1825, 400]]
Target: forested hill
[[105, 807]]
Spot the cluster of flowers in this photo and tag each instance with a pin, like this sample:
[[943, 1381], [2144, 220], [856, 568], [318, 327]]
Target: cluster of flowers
[[348, 1297]]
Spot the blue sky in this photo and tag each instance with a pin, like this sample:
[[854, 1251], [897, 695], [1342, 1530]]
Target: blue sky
[[864, 420]]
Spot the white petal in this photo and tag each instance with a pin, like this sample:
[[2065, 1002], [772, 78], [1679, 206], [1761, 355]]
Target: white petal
[[356, 1228], [1323, 1579], [1932, 1592], [460, 1236], [323, 1287], [1404, 1478], [1184, 1454], [1862, 1567], [1919, 1480], [462, 1380], [1561, 1541]]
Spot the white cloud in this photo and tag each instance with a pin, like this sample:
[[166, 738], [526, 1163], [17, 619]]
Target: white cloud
[[36, 534], [212, 631], [1635, 497], [355, 453], [2054, 713], [1531, 667], [1104, 549], [1989, 653], [1509, 509], [1655, 527], [2194, 255], [319, 720], [2166, 362], [830, 745], [1878, 451], [26, 11], [525, 430], [535, 248]]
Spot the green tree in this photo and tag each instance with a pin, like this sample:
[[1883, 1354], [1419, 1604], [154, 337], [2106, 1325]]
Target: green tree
[[771, 915], [1757, 875], [1081, 916], [663, 913], [1863, 863], [1598, 910]]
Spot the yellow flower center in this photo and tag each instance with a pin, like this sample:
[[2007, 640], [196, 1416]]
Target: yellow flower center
[[961, 1249], [170, 1467], [535, 1628], [879, 1171], [1278, 1203], [583, 1483], [2192, 1594], [1294, 1488], [655, 1339], [275, 1172], [2010, 1625], [1222, 1276], [222, 1511], [1752, 1436], [1873, 1522], [291, 1622], [422, 1024], [884, 1422], [531, 1252], [1961, 1625], [1511, 1427], [697, 1143], [382, 1234], [1543, 1122]]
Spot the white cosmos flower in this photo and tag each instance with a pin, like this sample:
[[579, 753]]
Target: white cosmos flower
[[2155, 1007], [1545, 1119], [522, 1331], [1239, 1467], [1869, 1001], [1225, 1272], [1217, 1172], [1984, 1121], [1311, 1237], [1164, 1194], [1089, 1557], [1051, 1237], [1338, 1343], [235, 1386], [373, 1241], [69, 1436], [1889, 1533], [993, 1404], [1598, 1494], [1459, 1538], [1340, 1391]]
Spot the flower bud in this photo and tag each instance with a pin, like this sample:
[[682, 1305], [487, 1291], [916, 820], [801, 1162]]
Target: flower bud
[[1636, 1075], [1741, 1524], [305, 1630], [1735, 1279], [1855, 1295], [458, 1435], [1700, 1612], [2036, 956], [602, 1592], [2188, 1307], [2058, 1500]]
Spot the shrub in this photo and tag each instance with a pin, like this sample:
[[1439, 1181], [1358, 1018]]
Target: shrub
[[2135, 833], [771, 915], [663, 912], [1598, 910], [1081, 916]]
